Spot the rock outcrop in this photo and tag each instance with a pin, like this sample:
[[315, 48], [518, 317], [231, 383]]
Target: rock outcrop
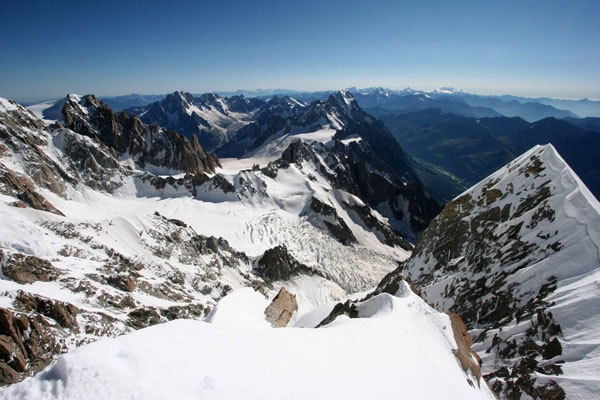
[[27, 269], [280, 311], [277, 264], [27, 345], [469, 360]]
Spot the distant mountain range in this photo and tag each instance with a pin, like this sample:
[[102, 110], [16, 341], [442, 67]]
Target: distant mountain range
[[446, 99], [468, 149]]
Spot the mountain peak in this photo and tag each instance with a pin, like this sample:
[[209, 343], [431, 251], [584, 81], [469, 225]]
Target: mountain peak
[[179, 97], [344, 99], [516, 254]]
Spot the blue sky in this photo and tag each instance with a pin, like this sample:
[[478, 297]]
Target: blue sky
[[532, 48]]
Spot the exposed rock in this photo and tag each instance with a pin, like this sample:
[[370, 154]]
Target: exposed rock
[[469, 360], [124, 282], [280, 311], [391, 284], [178, 222], [390, 236], [278, 265], [27, 345], [28, 269], [189, 311], [143, 317], [18, 186], [334, 223], [147, 144], [63, 313], [348, 309]]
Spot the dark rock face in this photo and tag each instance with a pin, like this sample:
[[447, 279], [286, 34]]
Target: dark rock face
[[28, 269], [63, 313], [144, 317], [336, 225], [280, 311], [20, 187], [26, 345], [278, 265], [129, 135], [348, 308]]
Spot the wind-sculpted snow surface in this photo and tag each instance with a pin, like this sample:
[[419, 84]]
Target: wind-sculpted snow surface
[[400, 347], [518, 257]]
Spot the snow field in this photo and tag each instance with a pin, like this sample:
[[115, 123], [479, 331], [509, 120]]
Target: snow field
[[402, 350]]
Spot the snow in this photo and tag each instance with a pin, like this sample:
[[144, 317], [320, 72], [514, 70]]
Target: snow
[[405, 350], [244, 308], [575, 226], [351, 139], [7, 105], [273, 148], [38, 109]]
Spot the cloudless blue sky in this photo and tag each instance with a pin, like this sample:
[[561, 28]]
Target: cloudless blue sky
[[532, 48]]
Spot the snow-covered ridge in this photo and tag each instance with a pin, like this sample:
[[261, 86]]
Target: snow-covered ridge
[[518, 256], [372, 356]]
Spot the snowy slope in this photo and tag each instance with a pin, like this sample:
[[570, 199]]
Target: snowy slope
[[518, 257], [398, 347], [120, 248]]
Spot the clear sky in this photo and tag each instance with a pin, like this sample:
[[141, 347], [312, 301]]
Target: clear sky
[[532, 48]]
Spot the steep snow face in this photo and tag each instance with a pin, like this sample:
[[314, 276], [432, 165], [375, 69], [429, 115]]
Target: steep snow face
[[373, 356], [518, 257]]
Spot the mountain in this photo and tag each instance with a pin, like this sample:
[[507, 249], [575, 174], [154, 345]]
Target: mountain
[[517, 257], [582, 107], [129, 136], [353, 150], [468, 149], [379, 101], [589, 123], [110, 225], [208, 116], [530, 110], [119, 103]]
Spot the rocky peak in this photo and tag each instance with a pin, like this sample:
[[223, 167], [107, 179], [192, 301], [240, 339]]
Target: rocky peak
[[345, 100], [177, 99], [124, 134], [213, 100], [499, 254], [241, 104], [278, 265]]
